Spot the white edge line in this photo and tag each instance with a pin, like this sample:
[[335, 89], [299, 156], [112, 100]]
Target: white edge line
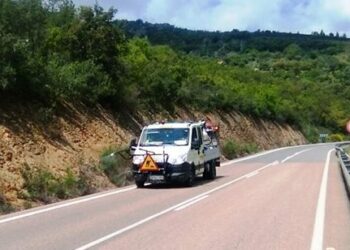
[[250, 157], [252, 174], [265, 153], [68, 204], [297, 153], [191, 203], [317, 236], [136, 224]]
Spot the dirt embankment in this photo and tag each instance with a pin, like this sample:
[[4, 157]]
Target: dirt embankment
[[75, 135]]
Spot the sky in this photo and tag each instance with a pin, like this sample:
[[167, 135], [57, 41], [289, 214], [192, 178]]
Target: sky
[[304, 16]]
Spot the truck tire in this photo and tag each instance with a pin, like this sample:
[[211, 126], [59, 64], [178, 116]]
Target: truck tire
[[191, 177], [212, 171], [206, 172], [140, 183]]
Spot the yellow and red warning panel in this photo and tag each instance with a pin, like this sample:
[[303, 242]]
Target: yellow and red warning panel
[[149, 164]]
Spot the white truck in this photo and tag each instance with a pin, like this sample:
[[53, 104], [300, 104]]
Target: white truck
[[179, 151]]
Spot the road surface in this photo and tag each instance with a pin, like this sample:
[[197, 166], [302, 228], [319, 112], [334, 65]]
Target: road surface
[[289, 198]]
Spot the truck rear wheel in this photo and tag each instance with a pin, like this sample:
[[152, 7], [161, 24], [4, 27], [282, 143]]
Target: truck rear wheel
[[209, 171], [206, 171], [212, 171]]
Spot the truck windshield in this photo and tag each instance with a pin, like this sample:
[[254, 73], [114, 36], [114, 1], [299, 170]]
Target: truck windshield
[[158, 137]]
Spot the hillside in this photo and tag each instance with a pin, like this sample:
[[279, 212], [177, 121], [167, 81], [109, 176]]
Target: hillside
[[297, 78], [76, 137]]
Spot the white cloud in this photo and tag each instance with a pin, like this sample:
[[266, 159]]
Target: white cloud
[[282, 15]]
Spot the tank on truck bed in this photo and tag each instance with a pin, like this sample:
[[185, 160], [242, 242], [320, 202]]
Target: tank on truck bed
[[180, 151]]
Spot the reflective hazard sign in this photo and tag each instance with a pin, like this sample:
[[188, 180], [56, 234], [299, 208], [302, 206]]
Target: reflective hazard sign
[[149, 164]]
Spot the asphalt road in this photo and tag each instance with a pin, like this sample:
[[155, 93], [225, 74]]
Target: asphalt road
[[291, 198]]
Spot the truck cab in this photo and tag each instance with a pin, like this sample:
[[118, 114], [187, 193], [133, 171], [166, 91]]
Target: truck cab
[[180, 151]]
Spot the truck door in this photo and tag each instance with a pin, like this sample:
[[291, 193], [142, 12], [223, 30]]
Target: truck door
[[201, 149], [197, 148]]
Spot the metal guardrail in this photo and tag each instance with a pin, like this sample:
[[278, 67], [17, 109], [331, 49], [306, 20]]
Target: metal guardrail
[[344, 160]]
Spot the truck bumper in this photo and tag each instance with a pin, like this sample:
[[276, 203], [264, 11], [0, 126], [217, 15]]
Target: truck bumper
[[168, 173]]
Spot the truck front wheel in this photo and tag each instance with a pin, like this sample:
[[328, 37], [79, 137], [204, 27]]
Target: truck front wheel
[[140, 183], [190, 179], [140, 180]]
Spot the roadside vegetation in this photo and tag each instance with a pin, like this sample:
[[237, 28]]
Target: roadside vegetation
[[53, 51], [5, 207], [43, 185], [115, 163], [232, 149]]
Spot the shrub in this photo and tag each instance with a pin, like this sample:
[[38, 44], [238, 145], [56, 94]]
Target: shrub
[[230, 149], [115, 163], [42, 185], [335, 137], [5, 207], [250, 148], [68, 186]]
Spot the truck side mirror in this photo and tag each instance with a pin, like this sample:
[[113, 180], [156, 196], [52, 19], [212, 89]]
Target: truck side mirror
[[132, 145]]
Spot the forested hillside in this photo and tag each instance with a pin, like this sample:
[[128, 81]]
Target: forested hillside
[[300, 79], [206, 43], [52, 51]]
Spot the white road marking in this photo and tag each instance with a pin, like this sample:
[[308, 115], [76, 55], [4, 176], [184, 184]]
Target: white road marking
[[154, 216], [67, 204], [263, 153], [292, 156], [317, 237], [249, 157], [252, 174], [191, 203]]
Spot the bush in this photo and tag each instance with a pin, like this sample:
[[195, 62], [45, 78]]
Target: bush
[[230, 149], [5, 207], [42, 185], [115, 163], [250, 148], [68, 186], [335, 137]]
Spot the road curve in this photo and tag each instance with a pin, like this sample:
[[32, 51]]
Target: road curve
[[290, 198]]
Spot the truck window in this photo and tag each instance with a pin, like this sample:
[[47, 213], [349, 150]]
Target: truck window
[[158, 137], [194, 135], [199, 132]]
